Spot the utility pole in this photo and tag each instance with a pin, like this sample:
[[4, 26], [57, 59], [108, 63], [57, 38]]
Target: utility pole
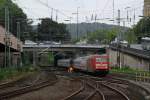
[[6, 10], [77, 13], [7, 39], [56, 15], [18, 30], [127, 14], [113, 11], [87, 29], [134, 18], [118, 17], [96, 24], [52, 14], [118, 43], [77, 22], [18, 41], [70, 22]]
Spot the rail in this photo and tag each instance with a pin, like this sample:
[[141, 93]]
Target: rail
[[92, 82], [103, 83], [116, 90], [84, 83], [17, 87], [26, 89]]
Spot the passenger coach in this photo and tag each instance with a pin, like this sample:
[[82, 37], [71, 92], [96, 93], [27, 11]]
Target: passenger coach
[[98, 64]]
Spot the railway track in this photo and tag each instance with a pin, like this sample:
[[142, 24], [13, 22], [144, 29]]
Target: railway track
[[13, 93], [95, 88], [10, 83], [92, 88], [86, 92], [103, 88], [127, 89], [15, 88]]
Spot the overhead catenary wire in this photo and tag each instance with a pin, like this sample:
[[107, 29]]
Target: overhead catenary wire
[[107, 2], [49, 7], [97, 11], [122, 5], [134, 8], [58, 11], [30, 11]]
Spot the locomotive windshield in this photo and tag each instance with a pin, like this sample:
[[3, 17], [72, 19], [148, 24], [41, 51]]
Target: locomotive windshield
[[101, 59]]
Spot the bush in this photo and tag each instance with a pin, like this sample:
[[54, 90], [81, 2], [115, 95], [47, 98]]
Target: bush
[[10, 72], [128, 70]]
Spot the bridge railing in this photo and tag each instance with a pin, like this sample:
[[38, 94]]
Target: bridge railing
[[63, 45]]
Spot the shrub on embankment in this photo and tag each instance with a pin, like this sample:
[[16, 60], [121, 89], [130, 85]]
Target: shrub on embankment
[[12, 72], [129, 71]]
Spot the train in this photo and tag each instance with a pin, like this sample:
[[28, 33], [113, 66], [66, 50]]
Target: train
[[96, 64]]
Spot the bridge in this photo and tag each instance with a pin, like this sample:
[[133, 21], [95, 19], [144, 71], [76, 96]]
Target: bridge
[[62, 47], [40, 51]]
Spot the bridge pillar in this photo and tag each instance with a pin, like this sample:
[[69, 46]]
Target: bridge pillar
[[14, 62], [35, 58], [16, 59], [27, 58]]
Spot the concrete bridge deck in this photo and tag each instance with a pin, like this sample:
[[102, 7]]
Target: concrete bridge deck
[[62, 47]]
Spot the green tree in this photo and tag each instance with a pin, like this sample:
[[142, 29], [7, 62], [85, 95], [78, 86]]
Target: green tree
[[16, 14], [130, 36], [143, 27], [50, 30], [102, 36]]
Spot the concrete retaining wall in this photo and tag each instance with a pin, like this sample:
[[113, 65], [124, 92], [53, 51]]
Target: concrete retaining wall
[[14, 59], [129, 60]]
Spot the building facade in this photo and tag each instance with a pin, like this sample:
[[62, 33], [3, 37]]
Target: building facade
[[146, 7]]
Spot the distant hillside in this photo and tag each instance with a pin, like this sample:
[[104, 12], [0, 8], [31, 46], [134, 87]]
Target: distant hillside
[[85, 28]]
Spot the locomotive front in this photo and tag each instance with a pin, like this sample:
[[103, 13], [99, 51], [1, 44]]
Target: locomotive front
[[101, 64]]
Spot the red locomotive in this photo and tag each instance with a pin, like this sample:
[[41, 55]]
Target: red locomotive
[[98, 64]]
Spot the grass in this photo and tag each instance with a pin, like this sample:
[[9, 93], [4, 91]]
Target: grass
[[6, 73], [129, 71]]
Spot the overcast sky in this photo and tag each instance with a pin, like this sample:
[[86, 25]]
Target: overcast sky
[[103, 9]]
